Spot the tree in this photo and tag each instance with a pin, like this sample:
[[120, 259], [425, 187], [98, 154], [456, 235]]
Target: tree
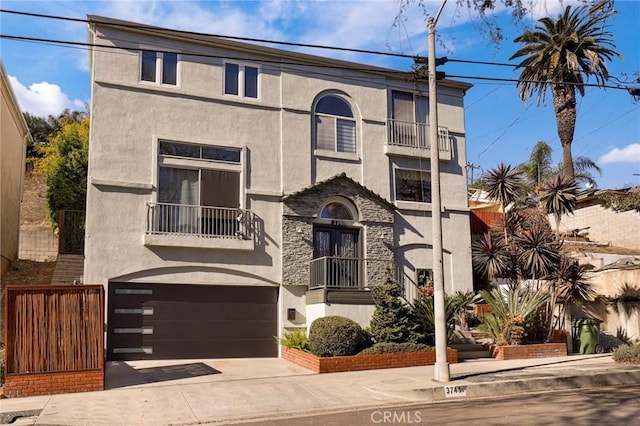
[[40, 130], [540, 168], [558, 195], [562, 54], [65, 168]]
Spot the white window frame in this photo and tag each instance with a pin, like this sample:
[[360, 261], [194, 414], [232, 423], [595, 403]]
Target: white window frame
[[320, 152], [241, 79], [159, 68], [410, 203], [163, 160]]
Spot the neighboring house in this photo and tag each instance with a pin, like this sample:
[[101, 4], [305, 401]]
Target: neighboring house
[[237, 191], [602, 224], [13, 150]]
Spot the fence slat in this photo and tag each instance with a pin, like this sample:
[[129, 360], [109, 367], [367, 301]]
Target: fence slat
[[54, 328]]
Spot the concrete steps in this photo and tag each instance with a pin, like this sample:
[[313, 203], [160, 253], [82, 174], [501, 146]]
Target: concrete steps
[[467, 342], [69, 269]]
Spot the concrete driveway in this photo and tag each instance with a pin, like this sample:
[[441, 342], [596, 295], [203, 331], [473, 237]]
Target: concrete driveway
[[124, 374]]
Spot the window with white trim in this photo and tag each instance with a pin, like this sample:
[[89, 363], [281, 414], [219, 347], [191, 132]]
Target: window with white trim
[[241, 80], [412, 185], [334, 125], [159, 67]]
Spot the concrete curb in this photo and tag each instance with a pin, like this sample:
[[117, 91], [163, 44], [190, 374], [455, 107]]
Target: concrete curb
[[464, 390], [10, 417]]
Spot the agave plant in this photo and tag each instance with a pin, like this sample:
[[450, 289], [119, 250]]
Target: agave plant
[[512, 311]]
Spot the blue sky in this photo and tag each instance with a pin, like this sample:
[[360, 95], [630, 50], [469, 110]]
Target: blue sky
[[500, 128]]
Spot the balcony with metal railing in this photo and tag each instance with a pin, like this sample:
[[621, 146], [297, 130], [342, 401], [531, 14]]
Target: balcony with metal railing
[[331, 272], [181, 225], [407, 138]]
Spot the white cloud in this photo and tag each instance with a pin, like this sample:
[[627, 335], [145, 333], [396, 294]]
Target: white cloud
[[628, 154], [43, 99]]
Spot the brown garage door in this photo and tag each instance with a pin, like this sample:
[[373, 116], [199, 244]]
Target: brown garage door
[[177, 321]]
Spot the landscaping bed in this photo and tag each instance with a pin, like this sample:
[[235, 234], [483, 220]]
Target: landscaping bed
[[337, 364], [540, 350]]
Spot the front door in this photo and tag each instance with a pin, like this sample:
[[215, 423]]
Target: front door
[[338, 246]]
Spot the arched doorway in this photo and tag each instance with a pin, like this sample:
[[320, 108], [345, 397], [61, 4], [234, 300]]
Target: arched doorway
[[336, 246]]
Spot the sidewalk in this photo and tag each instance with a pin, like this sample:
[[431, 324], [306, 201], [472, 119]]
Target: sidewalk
[[223, 391]]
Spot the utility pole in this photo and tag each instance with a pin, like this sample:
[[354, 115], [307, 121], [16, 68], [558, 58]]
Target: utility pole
[[441, 367], [472, 167]]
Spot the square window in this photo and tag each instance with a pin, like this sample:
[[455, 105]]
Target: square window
[[241, 80], [413, 185], [158, 67]]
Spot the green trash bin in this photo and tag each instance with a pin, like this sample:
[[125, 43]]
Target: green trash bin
[[586, 332]]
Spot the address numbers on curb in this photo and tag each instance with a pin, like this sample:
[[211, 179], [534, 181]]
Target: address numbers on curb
[[455, 391]]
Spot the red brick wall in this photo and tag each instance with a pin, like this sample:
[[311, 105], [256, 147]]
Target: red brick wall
[[363, 362], [21, 385], [542, 350]]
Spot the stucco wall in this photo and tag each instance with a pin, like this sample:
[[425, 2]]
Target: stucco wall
[[13, 146], [275, 133], [605, 225]]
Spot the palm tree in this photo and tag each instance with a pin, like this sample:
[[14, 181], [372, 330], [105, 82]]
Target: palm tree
[[558, 196], [540, 167], [562, 54]]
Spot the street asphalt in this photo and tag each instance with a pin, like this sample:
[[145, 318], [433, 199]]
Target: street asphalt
[[236, 390]]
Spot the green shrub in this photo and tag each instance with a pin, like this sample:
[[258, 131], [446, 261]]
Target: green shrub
[[296, 339], [627, 354], [394, 348], [391, 320], [336, 336]]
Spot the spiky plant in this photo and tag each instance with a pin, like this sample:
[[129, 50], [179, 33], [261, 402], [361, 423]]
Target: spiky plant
[[537, 250], [504, 184], [512, 311], [558, 196]]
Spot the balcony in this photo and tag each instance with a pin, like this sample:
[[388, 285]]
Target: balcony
[[411, 139], [355, 274], [179, 225]]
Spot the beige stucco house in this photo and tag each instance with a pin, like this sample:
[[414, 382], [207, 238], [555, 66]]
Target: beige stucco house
[[237, 191], [13, 150]]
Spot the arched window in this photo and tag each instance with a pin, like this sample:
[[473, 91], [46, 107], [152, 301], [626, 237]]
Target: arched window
[[336, 210], [334, 125]]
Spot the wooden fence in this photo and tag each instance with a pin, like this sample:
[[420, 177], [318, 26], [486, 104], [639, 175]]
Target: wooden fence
[[53, 329], [482, 221]]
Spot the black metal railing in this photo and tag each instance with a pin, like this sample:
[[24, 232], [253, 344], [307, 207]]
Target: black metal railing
[[351, 273]]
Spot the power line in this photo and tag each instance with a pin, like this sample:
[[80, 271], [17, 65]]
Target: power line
[[196, 33], [372, 69]]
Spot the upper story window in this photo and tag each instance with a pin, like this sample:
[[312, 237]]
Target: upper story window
[[203, 152], [412, 185], [241, 80], [335, 125], [196, 195], [159, 67]]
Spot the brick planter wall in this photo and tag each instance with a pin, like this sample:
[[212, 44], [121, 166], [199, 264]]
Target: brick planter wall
[[33, 384], [363, 362], [541, 350]]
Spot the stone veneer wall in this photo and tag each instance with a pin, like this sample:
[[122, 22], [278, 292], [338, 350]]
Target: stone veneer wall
[[302, 208]]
